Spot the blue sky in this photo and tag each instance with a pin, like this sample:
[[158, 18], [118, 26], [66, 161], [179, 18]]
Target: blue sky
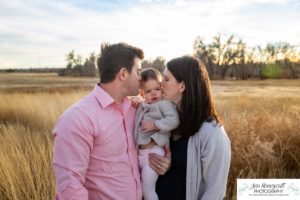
[[39, 33]]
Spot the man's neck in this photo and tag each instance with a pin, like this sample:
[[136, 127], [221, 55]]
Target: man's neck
[[114, 90]]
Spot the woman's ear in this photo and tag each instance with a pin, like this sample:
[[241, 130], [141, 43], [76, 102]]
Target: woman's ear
[[181, 86]]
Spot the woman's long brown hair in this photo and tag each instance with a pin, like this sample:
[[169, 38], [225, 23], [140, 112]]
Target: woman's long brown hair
[[196, 105]]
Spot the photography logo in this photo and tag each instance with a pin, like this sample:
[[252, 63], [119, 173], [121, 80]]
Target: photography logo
[[268, 189]]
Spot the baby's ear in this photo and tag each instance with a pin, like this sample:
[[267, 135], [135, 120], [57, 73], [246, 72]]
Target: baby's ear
[[141, 93]]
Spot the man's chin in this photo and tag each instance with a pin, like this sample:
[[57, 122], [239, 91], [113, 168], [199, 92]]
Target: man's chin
[[134, 93]]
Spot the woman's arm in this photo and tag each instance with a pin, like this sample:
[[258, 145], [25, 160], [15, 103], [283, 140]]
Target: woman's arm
[[215, 159]]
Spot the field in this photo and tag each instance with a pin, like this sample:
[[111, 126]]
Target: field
[[262, 119]]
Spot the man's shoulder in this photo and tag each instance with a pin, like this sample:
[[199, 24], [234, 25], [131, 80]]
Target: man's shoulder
[[81, 107], [87, 104]]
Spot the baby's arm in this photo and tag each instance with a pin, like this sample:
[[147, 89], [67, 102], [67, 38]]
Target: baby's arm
[[135, 101], [170, 120], [148, 126]]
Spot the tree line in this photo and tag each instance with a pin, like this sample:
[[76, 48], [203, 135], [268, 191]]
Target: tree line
[[76, 67], [224, 57], [231, 57]]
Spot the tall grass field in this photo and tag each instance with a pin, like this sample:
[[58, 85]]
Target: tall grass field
[[262, 120]]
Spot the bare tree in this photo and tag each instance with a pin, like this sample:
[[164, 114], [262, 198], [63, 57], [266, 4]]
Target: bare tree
[[158, 63], [220, 55], [73, 59], [89, 66], [205, 53], [288, 52]]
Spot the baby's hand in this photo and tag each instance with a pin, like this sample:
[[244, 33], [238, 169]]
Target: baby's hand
[[135, 101], [148, 126]]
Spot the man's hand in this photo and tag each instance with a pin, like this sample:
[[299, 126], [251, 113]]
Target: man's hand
[[160, 164], [148, 126]]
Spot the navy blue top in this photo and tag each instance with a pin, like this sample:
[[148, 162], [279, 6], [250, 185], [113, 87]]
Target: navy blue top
[[172, 184]]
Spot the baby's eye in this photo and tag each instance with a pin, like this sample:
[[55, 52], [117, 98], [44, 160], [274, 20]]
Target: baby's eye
[[147, 91]]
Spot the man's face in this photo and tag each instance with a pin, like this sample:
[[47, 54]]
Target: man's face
[[133, 78]]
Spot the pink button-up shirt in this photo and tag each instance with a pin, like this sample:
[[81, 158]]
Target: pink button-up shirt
[[94, 152]]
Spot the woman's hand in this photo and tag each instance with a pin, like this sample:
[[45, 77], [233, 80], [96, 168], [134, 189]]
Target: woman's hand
[[160, 164]]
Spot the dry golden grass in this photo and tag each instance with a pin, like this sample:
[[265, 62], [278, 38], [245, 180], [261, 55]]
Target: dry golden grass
[[261, 118], [265, 137], [25, 160], [18, 80], [26, 143]]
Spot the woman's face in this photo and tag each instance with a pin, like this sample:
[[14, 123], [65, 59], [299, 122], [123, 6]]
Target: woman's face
[[171, 88]]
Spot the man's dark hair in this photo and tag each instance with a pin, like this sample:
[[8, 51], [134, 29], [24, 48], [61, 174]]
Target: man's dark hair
[[114, 57]]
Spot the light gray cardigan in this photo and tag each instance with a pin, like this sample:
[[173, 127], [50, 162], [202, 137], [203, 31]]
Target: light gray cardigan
[[208, 163], [165, 117]]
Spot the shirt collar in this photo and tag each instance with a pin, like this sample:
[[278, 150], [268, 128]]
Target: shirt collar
[[105, 99], [102, 96], [126, 105]]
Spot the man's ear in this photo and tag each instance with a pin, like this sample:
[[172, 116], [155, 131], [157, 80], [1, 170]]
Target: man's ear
[[122, 74], [182, 86]]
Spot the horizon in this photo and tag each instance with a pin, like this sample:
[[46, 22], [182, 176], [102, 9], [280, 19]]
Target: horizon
[[38, 34]]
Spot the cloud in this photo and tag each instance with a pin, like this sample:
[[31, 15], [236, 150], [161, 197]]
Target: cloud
[[10, 63], [38, 31]]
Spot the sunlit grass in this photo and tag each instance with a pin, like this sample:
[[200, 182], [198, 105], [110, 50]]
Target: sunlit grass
[[261, 119], [265, 137]]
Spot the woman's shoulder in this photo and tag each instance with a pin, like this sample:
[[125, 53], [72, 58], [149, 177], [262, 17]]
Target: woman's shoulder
[[212, 135], [209, 130]]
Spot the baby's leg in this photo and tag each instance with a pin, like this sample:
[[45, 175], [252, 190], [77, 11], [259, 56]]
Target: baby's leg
[[148, 175]]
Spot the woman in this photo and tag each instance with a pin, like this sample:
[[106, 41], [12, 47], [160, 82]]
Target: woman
[[200, 147]]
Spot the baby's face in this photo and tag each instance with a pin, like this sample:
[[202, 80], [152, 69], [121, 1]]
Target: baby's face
[[151, 91]]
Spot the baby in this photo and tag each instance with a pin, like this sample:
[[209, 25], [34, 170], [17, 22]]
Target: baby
[[154, 120]]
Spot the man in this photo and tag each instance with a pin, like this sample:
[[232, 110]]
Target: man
[[94, 151]]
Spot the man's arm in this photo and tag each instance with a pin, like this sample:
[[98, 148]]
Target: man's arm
[[73, 142]]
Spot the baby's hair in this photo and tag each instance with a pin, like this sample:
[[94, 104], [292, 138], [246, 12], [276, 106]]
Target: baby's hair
[[150, 74]]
